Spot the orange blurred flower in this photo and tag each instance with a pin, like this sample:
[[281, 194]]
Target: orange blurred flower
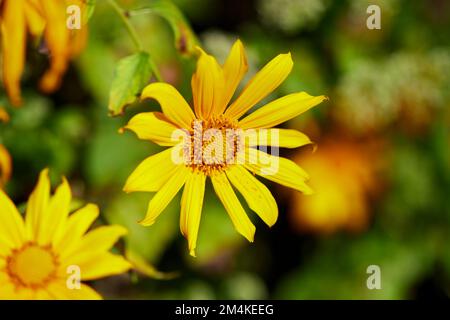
[[5, 166], [343, 176], [37, 17], [5, 158]]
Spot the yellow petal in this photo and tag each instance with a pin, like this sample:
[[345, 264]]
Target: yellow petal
[[77, 225], [234, 208], [258, 197], [57, 38], [175, 108], [277, 169], [282, 138], [35, 21], [94, 242], [152, 173], [8, 292], [6, 245], [5, 165], [59, 291], [261, 85], [37, 205], [147, 269], [163, 197], [234, 70], [153, 126], [42, 294], [207, 87], [11, 224], [54, 219], [102, 265], [191, 208], [13, 45], [78, 40], [281, 110]]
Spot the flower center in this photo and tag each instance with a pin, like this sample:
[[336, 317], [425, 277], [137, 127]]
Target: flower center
[[32, 265], [213, 145]]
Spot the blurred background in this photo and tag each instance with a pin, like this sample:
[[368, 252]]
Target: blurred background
[[381, 170]]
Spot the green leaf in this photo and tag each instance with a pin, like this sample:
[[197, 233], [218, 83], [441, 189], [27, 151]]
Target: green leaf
[[131, 75], [90, 6], [185, 39]]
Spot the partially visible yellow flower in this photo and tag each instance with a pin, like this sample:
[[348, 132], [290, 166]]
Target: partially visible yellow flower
[[47, 17], [213, 86], [41, 254], [343, 177], [5, 165]]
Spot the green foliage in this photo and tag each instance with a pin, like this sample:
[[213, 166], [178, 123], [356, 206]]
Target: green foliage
[[185, 39], [130, 77]]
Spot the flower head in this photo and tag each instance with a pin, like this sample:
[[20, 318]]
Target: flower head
[[343, 175], [47, 17], [40, 255], [212, 141]]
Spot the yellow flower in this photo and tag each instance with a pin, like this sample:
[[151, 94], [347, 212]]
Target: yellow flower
[[213, 87], [47, 17], [41, 257], [343, 176]]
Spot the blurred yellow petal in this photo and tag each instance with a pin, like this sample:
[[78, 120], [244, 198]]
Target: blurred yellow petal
[[277, 169], [261, 85], [42, 294], [153, 126], [234, 70], [152, 173], [191, 208], [77, 225], [37, 205], [142, 266], [282, 138], [11, 223], [173, 105], [281, 110], [57, 39], [258, 197], [59, 291], [234, 208], [5, 248], [13, 45], [208, 87], [35, 21], [163, 197], [5, 166], [78, 40], [102, 265], [8, 292], [54, 219], [94, 242]]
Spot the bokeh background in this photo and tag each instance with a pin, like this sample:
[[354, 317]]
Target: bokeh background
[[380, 169]]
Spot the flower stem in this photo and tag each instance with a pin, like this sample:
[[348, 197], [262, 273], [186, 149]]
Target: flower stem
[[133, 34], [126, 22]]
